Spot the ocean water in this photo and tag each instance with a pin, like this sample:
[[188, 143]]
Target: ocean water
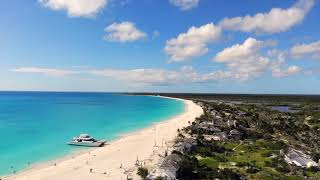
[[35, 126]]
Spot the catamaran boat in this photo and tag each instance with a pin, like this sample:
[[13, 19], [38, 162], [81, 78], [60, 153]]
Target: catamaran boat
[[86, 140]]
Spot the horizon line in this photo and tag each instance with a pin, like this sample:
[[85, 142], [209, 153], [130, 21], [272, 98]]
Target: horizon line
[[190, 93]]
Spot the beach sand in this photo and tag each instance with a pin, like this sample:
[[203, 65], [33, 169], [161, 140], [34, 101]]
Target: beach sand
[[118, 160]]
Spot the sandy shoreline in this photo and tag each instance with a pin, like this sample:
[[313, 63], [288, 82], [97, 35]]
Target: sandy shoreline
[[146, 145]]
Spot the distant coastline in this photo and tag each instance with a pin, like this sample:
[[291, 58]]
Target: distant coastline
[[249, 98]]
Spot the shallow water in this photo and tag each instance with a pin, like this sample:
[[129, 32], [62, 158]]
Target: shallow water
[[283, 109], [35, 126]]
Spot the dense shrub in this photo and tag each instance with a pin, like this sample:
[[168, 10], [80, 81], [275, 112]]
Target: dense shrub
[[252, 170], [228, 174], [143, 172], [278, 164], [266, 154]]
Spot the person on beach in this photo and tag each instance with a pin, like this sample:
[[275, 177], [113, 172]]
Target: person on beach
[[90, 170]]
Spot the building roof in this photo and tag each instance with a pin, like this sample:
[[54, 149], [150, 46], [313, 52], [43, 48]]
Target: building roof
[[235, 132], [168, 167], [299, 158], [172, 161], [210, 126], [185, 145], [222, 135]]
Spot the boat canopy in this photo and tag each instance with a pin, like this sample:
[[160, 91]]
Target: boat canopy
[[84, 136]]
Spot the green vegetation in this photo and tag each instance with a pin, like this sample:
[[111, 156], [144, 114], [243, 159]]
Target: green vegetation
[[247, 137], [251, 160], [143, 172], [265, 136], [159, 178]]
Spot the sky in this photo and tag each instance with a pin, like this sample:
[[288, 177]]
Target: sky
[[200, 46]]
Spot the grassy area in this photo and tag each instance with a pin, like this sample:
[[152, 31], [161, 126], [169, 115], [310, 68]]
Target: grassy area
[[209, 162], [255, 154], [264, 137]]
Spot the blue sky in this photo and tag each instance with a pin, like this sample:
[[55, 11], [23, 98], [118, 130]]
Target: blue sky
[[245, 46]]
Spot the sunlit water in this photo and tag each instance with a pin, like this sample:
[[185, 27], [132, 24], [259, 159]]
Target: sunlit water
[[35, 127]]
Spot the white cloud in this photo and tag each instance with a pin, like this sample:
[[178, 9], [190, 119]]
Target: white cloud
[[162, 77], [240, 51], [149, 76], [76, 8], [195, 41], [292, 70], [312, 49], [145, 77], [244, 61], [185, 4], [123, 32], [275, 21], [192, 43], [46, 71]]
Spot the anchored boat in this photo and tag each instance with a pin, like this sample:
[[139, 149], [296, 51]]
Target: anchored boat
[[86, 140]]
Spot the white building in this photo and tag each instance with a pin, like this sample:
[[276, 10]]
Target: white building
[[300, 159]]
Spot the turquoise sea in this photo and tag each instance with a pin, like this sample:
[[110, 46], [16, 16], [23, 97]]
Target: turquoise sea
[[35, 126]]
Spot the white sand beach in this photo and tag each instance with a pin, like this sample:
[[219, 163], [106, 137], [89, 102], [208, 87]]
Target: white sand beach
[[146, 146]]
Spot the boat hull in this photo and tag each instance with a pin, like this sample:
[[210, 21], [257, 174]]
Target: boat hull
[[88, 144]]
